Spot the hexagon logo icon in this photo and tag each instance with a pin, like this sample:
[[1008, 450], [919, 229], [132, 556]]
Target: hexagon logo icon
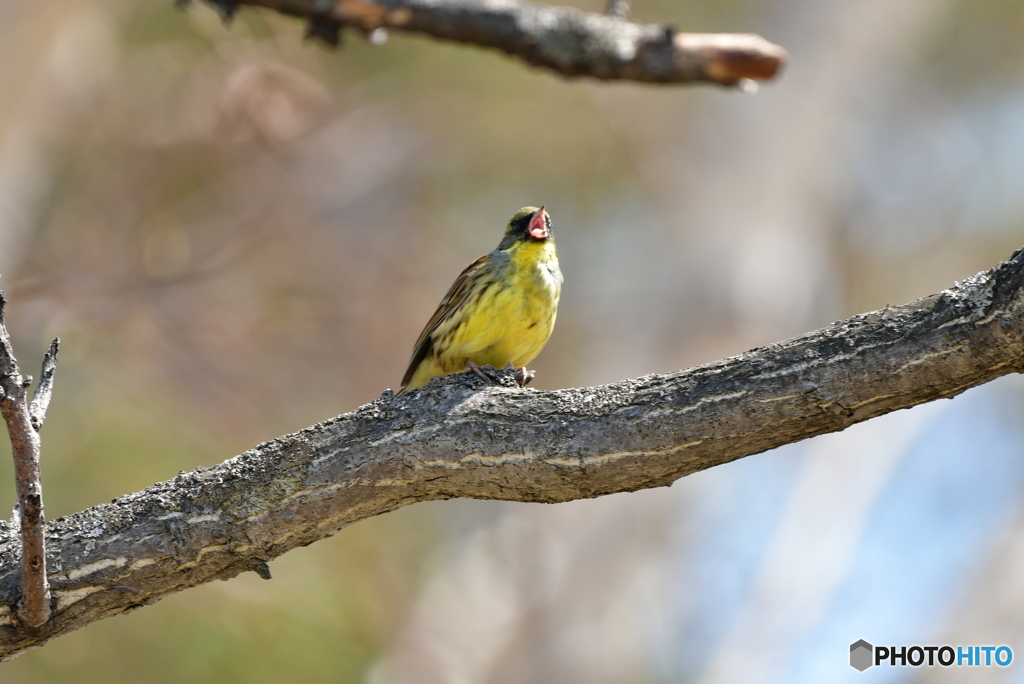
[[861, 655]]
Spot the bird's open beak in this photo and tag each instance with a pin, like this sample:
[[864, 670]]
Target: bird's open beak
[[538, 229]]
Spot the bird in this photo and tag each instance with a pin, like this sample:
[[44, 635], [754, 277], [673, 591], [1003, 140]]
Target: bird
[[501, 309]]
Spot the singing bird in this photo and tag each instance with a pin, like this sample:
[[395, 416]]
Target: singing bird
[[499, 311]]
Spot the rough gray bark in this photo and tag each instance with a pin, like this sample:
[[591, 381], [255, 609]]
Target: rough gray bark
[[458, 438], [566, 40]]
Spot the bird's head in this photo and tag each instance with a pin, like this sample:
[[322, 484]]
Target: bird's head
[[529, 224]]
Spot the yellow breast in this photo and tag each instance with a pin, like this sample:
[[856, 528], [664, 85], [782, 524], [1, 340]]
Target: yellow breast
[[507, 318]]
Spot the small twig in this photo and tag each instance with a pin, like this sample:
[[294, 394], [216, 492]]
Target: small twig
[[617, 8], [23, 427], [44, 390]]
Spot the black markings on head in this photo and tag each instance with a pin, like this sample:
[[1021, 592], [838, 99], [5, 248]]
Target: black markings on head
[[519, 227]]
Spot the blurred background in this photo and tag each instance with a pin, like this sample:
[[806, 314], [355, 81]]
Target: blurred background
[[237, 234]]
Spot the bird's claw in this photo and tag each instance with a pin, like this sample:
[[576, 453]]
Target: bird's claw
[[522, 376], [478, 370]]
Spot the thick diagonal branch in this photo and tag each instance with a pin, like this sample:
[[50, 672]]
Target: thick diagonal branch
[[23, 428], [565, 40], [457, 438]]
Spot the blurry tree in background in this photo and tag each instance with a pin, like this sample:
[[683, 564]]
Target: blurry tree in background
[[237, 234]]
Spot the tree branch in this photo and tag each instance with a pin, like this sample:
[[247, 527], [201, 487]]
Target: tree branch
[[23, 425], [455, 438], [568, 41]]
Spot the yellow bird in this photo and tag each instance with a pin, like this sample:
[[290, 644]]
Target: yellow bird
[[499, 311]]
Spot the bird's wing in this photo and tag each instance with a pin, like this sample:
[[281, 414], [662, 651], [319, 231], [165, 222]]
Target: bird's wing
[[451, 303]]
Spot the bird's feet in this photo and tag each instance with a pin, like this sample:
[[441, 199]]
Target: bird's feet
[[523, 376], [478, 370]]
